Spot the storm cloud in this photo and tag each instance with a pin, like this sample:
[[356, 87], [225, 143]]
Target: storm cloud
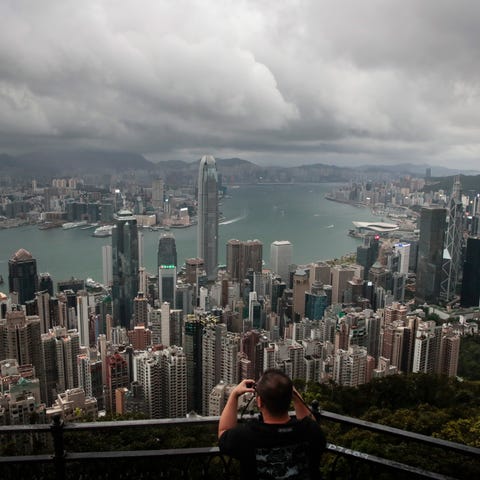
[[279, 82]]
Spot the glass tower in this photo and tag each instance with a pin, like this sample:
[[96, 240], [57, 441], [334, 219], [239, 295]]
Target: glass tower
[[207, 236], [125, 267], [452, 254], [22, 276], [430, 254]]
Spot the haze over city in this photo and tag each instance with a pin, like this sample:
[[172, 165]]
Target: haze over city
[[273, 82]]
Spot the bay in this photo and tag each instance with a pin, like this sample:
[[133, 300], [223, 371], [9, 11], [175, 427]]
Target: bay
[[318, 229]]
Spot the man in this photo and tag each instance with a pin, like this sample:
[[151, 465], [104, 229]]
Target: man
[[279, 447]]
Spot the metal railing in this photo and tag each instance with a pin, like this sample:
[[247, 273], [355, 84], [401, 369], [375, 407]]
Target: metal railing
[[60, 452]]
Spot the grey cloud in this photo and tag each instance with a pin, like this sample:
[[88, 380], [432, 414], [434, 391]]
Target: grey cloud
[[297, 80]]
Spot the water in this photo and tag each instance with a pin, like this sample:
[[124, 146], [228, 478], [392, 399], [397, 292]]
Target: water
[[299, 213]]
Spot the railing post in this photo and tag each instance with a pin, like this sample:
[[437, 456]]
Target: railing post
[[58, 447], [315, 409]]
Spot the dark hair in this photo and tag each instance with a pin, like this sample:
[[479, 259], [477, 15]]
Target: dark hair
[[275, 389]]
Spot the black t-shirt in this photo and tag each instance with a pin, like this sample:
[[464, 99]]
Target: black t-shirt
[[276, 451]]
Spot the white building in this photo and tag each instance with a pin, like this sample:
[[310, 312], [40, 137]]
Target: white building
[[281, 254]]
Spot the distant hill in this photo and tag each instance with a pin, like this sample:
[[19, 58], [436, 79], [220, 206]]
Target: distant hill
[[416, 169], [71, 163], [45, 165], [468, 183]]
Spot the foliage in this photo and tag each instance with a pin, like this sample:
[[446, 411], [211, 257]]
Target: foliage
[[469, 358], [432, 405]]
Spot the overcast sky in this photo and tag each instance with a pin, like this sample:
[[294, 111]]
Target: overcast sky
[[271, 81]]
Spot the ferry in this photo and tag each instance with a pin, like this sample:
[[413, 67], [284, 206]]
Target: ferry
[[103, 231], [69, 225]]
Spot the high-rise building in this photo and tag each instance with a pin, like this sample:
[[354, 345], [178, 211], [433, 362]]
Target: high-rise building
[[403, 251], [316, 302], [367, 253], [83, 317], [125, 267], [430, 254], [207, 236], [157, 193], [193, 351], [162, 374], [20, 338], [45, 283], [167, 269], [107, 265], [350, 366], [471, 274], [22, 276], [220, 359], [117, 376], [426, 351], [281, 253], [300, 287], [242, 256], [60, 349], [140, 310], [167, 283], [452, 253], [340, 277]]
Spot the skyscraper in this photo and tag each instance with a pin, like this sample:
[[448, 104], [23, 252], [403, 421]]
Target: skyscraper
[[167, 269], [430, 254], [22, 276], [452, 253], [125, 267], [157, 193], [281, 252], [107, 265], [471, 274], [242, 256], [207, 237]]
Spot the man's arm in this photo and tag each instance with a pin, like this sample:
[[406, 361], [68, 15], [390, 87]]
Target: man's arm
[[228, 419], [301, 409]]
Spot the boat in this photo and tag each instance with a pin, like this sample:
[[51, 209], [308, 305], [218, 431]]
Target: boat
[[103, 231], [69, 225]]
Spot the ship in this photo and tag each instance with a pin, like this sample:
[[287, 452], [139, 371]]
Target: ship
[[69, 225], [103, 231]]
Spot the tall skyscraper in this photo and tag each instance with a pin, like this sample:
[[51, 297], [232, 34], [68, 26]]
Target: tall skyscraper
[[45, 282], [367, 253], [452, 253], [242, 256], [125, 267], [207, 237], [167, 269], [281, 252], [22, 276], [20, 338], [193, 350], [157, 193], [430, 254], [107, 265], [471, 274]]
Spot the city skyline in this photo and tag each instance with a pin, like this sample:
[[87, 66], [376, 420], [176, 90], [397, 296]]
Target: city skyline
[[276, 83]]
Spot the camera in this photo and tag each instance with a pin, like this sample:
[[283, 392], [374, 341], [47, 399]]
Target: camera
[[250, 384]]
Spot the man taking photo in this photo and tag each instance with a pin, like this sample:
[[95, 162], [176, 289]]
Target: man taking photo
[[277, 446]]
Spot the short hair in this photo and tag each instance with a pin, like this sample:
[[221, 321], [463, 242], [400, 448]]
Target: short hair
[[275, 388]]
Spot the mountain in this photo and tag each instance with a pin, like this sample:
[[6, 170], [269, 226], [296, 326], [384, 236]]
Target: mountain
[[72, 163], [48, 164]]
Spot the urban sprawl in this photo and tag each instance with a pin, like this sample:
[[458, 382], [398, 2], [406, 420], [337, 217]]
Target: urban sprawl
[[174, 341]]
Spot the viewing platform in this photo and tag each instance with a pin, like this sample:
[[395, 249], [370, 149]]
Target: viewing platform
[[128, 451]]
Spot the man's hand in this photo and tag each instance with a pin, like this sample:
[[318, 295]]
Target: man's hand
[[228, 419], [245, 386]]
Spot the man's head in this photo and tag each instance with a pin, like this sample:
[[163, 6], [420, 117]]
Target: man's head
[[275, 391]]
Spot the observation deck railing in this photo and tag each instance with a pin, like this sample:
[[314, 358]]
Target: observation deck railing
[[62, 452]]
